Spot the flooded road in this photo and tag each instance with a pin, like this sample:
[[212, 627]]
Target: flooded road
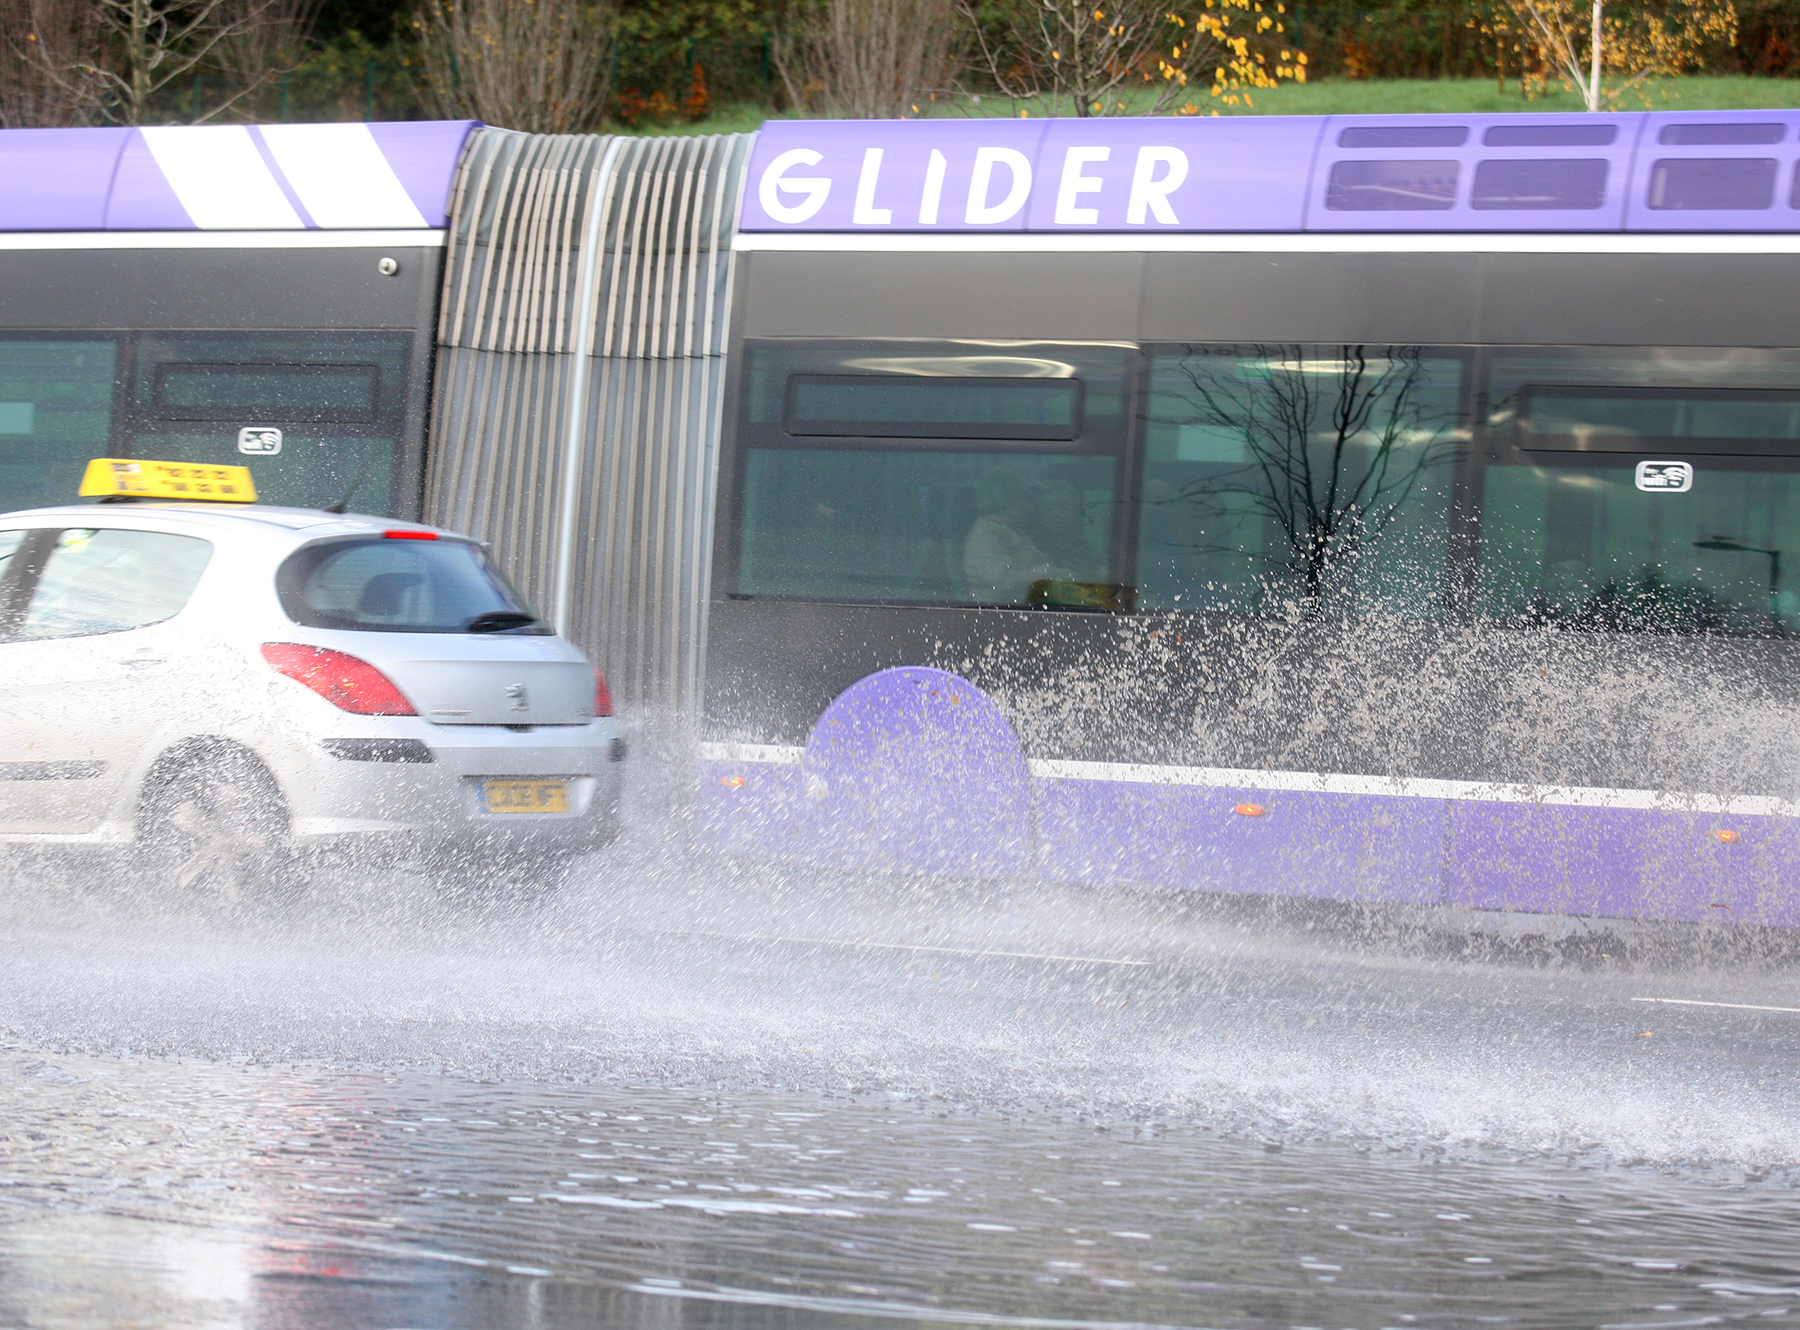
[[688, 1092], [154, 1194]]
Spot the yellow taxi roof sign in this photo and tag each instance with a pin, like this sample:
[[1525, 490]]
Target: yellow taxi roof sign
[[113, 477]]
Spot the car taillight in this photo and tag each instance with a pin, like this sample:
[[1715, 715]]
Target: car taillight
[[602, 695], [409, 535], [341, 679]]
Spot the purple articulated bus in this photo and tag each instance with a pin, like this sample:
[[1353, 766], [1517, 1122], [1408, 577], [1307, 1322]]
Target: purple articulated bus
[[1396, 509]]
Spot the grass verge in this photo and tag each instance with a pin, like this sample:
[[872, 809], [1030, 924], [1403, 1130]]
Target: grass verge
[[1340, 97]]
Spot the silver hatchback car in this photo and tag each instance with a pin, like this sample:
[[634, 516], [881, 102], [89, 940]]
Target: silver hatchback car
[[227, 692]]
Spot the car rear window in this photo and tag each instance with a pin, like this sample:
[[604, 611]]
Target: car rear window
[[400, 586]]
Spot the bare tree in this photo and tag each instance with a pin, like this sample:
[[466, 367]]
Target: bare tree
[[1086, 55], [49, 57], [1337, 439], [869, 59], [266, 39], [152, 44], [76, 61], [536, 65]]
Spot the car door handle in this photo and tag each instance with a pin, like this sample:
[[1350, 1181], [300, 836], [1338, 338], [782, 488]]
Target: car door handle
[[140, 662]]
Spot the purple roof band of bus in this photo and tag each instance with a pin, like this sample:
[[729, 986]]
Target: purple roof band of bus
[[231, 177], [1634, 171]]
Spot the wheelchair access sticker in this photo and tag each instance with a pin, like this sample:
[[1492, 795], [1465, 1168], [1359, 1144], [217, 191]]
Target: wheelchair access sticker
[[259, 440], [1665, 477]]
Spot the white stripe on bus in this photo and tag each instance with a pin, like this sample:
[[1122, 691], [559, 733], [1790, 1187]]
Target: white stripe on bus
[[776, 754], [1308, 782], [220, 177], [1408, 787], [341, 176]]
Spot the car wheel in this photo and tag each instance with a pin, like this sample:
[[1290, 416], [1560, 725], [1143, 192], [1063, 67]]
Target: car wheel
[[212, 825]]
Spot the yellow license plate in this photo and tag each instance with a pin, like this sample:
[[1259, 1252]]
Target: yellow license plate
[[525, 796]]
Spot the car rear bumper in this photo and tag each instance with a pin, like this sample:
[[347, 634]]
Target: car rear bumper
[[402, 786], [417, 788]]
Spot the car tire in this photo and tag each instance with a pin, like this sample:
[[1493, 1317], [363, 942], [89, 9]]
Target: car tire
[[212, 826]]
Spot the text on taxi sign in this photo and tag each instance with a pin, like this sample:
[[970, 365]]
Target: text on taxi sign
[[113, 476]]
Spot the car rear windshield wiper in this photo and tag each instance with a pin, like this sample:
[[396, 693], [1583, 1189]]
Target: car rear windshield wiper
[[498, 621]]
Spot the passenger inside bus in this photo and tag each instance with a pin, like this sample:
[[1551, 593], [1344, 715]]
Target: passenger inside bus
[[1063, 530], [1000, 560]]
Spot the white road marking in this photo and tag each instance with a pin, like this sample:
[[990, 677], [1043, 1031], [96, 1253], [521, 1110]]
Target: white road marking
[[908, 946], [1735, 1006]]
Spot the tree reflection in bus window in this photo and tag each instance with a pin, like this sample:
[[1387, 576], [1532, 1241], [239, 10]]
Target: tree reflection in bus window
[[1290, 479], [1583, 547]]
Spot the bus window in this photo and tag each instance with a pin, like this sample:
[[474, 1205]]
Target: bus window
[[930, 473], [1298, 479], [1718, 134], [317, 416], [1523, 183], [1590, 547], [940, 526], [1690, 184], [1590, 418], [1618, 501], [921, 406], [238, 391], [56, 402], [1406, 186]]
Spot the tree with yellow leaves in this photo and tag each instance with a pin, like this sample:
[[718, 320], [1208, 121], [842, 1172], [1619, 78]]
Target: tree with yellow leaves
[[1604, 51], [1089, 56]]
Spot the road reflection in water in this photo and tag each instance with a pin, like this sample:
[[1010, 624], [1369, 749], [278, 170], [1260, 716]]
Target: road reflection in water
[[138, 1192]]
